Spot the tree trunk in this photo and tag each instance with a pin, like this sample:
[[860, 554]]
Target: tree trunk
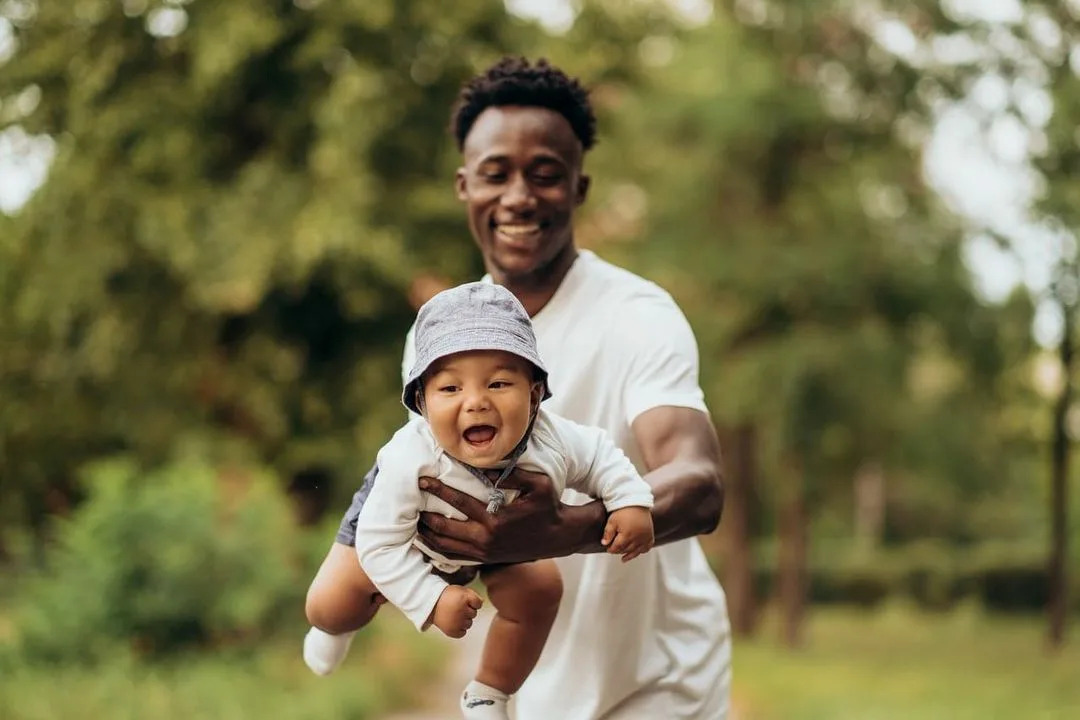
[[792, 579], [739, 565], [1059, 483], [869, 492]]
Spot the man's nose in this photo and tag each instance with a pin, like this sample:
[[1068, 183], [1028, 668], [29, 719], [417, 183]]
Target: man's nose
[[518, 196]]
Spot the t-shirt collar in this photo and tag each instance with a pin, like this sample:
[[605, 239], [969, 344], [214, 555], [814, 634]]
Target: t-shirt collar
[[566, 288]]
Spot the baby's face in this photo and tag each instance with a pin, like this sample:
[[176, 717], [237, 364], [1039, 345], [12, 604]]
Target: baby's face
[[478, 404]]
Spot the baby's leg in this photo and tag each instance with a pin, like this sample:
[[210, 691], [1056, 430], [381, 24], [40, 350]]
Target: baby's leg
[[341, 600], [526, 598]]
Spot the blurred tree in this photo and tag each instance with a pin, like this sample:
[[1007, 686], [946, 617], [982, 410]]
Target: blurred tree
[[248, 198], [1030, 51], [1051, 33], [241, 196], [784, 205]]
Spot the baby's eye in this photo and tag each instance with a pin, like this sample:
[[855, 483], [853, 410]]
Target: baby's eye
[[499, 384], [448, 388]]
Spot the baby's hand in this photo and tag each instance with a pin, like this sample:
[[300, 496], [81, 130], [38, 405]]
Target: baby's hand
[[629, 532], [455, 610]]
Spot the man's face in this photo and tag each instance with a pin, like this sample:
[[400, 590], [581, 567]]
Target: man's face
[[521, 183]]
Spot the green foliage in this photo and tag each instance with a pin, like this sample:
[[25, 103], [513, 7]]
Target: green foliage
[[273, 683], [933, 576], [229, 229], [772, 190], [163, 560], [898, 664], [243, 211]]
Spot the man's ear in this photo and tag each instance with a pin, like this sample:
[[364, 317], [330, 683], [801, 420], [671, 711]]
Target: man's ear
[[582, 189], [459, 184]]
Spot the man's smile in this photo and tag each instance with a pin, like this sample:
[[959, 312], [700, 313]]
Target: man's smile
[[519, 236]]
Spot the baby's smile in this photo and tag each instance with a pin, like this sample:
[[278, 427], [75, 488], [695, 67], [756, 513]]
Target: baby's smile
[[480, 437]]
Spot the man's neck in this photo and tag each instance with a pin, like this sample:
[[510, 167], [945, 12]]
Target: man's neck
[[536, 290]]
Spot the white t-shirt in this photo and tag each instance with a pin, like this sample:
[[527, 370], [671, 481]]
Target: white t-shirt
[[648, 639], [391, 553]]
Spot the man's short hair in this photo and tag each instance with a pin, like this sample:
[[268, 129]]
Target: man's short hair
[[513, 81]]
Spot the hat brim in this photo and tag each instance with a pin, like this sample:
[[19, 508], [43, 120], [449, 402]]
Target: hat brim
[[507, 339]]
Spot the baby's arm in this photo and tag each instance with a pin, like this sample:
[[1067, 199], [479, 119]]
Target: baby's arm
[[600, 469], [384, 542]]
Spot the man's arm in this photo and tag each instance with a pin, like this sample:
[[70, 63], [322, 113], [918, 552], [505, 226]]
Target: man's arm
[[681, 451], [682, 455]]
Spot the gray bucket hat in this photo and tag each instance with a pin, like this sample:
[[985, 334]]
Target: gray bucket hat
[[474, 316]]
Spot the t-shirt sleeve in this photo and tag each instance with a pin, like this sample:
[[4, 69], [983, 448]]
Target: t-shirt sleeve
[[661, 358], [387, 526], [597, 467]]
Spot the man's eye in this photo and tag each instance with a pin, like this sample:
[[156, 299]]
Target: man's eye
[[493, 177], [547, 179]]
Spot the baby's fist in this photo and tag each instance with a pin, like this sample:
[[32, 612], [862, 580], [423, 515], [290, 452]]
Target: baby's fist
[[629, 532], [455, 610]]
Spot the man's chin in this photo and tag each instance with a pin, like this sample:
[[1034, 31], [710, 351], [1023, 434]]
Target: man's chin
[[516, 266]]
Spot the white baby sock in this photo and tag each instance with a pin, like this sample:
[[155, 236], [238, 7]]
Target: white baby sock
[[483, 702], [323, 652]]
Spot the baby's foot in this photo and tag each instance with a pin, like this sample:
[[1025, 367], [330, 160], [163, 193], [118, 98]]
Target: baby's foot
[[482, 702], [323, 652]]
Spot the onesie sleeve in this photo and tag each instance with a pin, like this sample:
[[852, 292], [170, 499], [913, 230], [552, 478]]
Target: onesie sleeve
[[597, 467], [387, 526]]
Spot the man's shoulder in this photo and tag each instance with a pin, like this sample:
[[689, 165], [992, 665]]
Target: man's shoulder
[[629, 303], [619, 284]]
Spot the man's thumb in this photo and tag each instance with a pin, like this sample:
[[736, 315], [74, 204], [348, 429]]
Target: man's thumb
[[473, 600]]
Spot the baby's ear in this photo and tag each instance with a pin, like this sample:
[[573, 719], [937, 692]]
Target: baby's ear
[[536, 395]]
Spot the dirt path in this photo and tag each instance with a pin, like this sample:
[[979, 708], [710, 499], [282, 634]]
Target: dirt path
[[466, 658]]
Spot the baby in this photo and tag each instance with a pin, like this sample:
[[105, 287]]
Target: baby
[[478, 382]]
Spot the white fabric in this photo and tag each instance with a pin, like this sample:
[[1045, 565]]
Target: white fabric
[[323, 651], [572, 455], [649, 638]]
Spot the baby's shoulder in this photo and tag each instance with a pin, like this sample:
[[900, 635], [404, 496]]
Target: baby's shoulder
[[561, 434], [413, 444]]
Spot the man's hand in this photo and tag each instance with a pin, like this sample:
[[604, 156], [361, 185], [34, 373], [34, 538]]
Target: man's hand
[[534, 526], [455, 610], [629, 532]]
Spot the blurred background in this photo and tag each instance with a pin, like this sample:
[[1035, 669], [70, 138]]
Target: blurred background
[[218, 218]]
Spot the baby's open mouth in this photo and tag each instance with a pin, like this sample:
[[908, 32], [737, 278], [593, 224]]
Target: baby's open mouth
[[479, 434]]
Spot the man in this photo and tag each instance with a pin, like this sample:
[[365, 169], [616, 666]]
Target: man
[[649, 639]]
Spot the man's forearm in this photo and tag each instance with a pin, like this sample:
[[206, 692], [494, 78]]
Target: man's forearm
[[688, 501]]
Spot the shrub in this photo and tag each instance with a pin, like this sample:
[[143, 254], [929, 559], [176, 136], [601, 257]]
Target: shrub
[[160, 561], [1003, 577]]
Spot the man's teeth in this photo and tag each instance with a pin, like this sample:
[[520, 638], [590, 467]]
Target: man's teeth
[[518, 230]]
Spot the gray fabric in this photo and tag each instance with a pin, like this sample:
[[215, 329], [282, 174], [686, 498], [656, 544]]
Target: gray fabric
[[474, 316], [346, 534]]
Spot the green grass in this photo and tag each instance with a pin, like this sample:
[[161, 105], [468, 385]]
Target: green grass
[[898, 664], [382, 673]]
